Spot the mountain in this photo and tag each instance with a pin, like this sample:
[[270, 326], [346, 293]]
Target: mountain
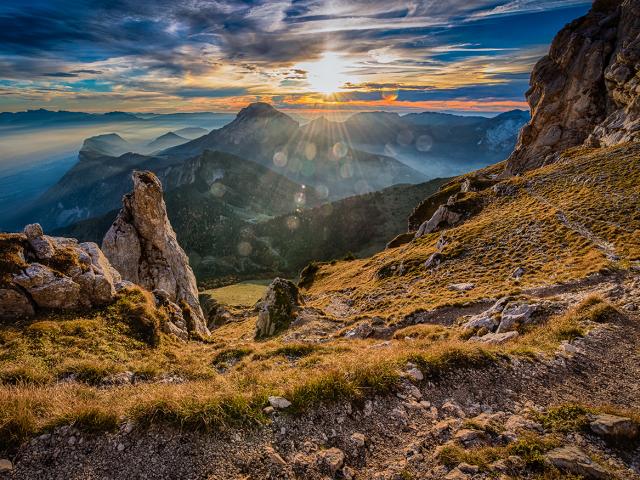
[[168, 140], [42, 117], [110, 144], [273, 139]]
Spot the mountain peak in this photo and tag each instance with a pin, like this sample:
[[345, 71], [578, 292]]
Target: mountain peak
[[258, 109]]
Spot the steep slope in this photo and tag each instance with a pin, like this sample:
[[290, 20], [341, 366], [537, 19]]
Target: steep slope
[[560, 223]]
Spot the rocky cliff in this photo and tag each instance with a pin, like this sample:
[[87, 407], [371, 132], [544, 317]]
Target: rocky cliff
[[143, 247], [586, 89]]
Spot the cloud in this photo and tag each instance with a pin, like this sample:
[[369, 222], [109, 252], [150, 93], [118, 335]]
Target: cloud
[[169, 51]]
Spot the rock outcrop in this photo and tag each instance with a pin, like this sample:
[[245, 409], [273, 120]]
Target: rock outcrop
[[277, 308], [53, 273], [587, 89], [143, 247]]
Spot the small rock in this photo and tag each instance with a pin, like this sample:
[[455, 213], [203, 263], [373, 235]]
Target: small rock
[[331, 460], [121, 447], [453, 409], [416, 374], [495, 338], [358, 439], [467, 468], [462, 287], [457, 474], [5, 465], [268, 410], [571, 459], [279, 403], [518, 272], [470, 438], [348, 473], [274, 456], [615, 427]]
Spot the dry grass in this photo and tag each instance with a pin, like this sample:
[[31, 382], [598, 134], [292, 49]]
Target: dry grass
[[597, 189], [227, 379]]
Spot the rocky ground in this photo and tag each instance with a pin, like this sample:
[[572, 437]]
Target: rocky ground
[[509, 419]]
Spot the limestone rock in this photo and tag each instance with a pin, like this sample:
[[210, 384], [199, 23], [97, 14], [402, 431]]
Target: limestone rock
[[615, 427], [586, 89], [443, 217], [495, 338], [52, 273], [143, 247], [14, 305], [279, 403], [47, 289], [514, 315], [573, 460], [462, 287], [277, 308], [214, 313]]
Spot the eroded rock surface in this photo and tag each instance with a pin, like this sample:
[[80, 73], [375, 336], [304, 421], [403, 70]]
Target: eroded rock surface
[[586, 88], [277, 308], [43, 272], [142, 245]]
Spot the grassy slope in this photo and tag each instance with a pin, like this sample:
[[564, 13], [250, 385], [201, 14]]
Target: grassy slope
[[599, 190], [227, 378]]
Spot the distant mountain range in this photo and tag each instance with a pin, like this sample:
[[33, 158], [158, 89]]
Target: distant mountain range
[[246, 198], [42, 118]]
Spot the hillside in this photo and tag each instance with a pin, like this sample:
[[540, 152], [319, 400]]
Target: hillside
[[212, 223]]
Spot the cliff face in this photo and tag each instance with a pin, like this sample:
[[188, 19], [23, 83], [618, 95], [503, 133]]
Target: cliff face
[[142, 245], [587, 89]]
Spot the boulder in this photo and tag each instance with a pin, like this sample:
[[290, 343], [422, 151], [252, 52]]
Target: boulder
[[48, 290], [277, 308], [52, 273], [515, 315], [14, 305], [615, 427], [143, 247], [214, 313], [571, 459], [442, 218]]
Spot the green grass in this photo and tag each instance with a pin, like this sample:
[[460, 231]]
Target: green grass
[[244, 294]]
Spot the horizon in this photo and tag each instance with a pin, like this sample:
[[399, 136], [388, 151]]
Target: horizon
[[322, 56]]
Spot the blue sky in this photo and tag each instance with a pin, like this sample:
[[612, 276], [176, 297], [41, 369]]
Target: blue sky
[[190, 55]]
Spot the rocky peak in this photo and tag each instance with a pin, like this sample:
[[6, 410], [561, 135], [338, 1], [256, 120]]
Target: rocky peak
[[143, 247], [587, 89]]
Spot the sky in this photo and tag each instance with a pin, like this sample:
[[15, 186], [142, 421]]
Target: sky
[[316, 55]]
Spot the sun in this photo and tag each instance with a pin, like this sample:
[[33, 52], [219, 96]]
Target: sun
[[326, 75]]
